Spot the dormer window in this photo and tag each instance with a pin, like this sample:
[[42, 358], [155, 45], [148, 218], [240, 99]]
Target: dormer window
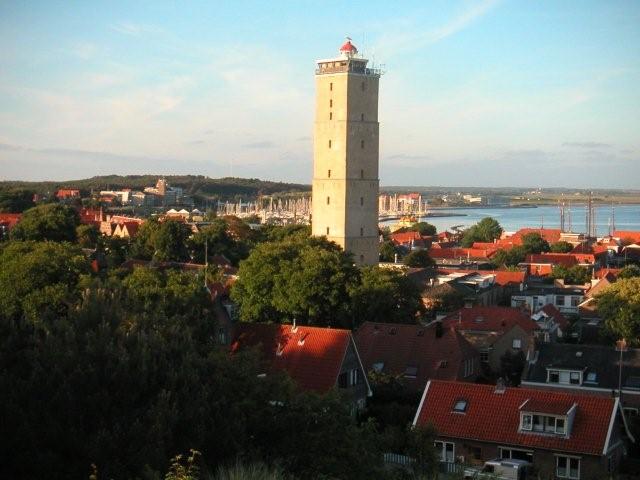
[[565, 377], [411, 371], [533, 422], [592, 377], [377, 367]]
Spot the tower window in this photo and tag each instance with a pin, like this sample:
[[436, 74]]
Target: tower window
[[361, 173], [361, 201], [329, 143], [331, 87], [327, 230], [330, 115], [362, 117], [328, 200], [330, 103], [361, 143], [361, 232], [329, 174]]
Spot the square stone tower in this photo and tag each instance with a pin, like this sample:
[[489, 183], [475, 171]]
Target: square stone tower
[[345, 159]]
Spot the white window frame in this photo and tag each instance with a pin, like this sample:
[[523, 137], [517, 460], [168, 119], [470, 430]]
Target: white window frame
[[568, 459], [526, 426], [502, 450], [441, 450], [516, 343]]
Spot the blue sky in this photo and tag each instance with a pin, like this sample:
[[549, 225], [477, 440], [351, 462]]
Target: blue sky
[[488, 93]]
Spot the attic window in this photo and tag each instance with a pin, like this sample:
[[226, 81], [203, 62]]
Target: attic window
[[592, 377], [411, 371], [377, 367], [443, 364], [460, 406]]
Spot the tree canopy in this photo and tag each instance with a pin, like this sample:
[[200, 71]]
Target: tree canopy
[[486, 230], [574, 275], [50, 221], [561, 247], [15, 200], [619, 306], [162, 241], [419, 259], [509, 257], [533, 242]]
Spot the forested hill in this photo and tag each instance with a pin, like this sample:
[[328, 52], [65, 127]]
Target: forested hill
[[197, 185]]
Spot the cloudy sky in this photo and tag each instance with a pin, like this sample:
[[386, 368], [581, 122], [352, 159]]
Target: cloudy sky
[[487, 93]]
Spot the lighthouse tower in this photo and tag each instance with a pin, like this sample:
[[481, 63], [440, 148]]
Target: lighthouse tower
[[345, 161]]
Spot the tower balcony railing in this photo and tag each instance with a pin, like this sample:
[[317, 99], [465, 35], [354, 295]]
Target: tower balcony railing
[[351, 68]]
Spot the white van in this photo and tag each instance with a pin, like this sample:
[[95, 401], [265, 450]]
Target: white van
[[498, 469]]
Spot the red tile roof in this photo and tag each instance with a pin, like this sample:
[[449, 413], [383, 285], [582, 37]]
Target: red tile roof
[[311, 356], [627, 234], [495, 417], [446, 253], [546, 405], [566, 259], [400, 346], [551, 235], [490, 319], [405, 238], [10, 219]]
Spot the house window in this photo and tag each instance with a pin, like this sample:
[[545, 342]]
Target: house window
[[574, 378], [517, 343], [468, 367], [538, 423], [560, 300], [592, 377], [363, 86], [484, 356], [411, 371], [328, 200], [222, 336], [445, 451], [361, 143], [361, 201], [460, 406], [516, 454], [377, 367], [554, 377], [329, 174], [527, 422], [362, 117], [560, 426], [343, 380], [361, 258], [567, 467], [361, 173]]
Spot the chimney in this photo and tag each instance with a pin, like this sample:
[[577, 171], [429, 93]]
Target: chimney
[[294, 327]]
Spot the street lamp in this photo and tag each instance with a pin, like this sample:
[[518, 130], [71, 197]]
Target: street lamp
[[621, 346]]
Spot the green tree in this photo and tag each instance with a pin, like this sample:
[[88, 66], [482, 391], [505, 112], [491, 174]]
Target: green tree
[[162, 241], [218, 241], [534, 243], [419, 259], [619, 306], [388, 251], [303, 279], [486, 230], [385, 295], [38, 279], [509, 258], [561, 247], [574, 275], [50, 221], [424, 228], [15, 200], [629, 271], [87, 236]]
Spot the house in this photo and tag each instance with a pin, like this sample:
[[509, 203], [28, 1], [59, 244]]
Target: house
[[563, 435], [565, 299], [551, 323], [8, 221], [590, 369], [494, 331], [417, 353], [126, 229], [67, 193], [317, 359]]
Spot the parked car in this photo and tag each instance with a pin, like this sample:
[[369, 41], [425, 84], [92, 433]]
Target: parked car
[[498, 469]]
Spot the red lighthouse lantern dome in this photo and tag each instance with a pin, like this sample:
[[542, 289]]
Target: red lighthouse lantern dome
[[348, 48]]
